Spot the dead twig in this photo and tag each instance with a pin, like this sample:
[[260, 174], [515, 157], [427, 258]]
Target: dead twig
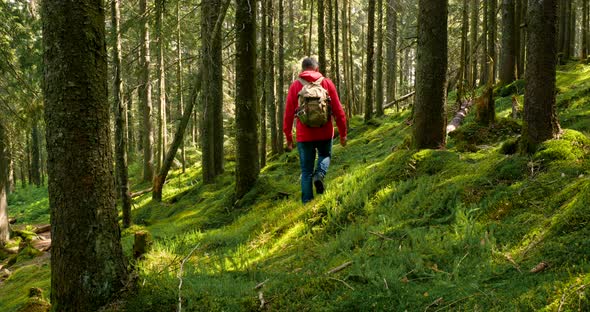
[[180, 277], [341, 281], [434, 303], [381, 236], [509, 258], [259, 285], [340, 267], [261, 298]]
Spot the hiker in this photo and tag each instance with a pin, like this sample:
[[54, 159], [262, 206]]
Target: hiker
[[313, 99]]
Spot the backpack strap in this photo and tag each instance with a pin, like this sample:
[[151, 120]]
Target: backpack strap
[[319, 80], [303, 81]]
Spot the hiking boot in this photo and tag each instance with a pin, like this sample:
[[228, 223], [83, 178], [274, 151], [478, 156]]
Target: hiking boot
[[318, 181]]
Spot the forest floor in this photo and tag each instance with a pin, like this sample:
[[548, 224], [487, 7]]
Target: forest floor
[[472, 227]]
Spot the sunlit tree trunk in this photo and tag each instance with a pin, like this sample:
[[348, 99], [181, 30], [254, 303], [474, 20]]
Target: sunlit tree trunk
[[162, 130], [87, 265], [4, 227], [540, 117], [507, 65], [145, 95], [473, 46], [429, 110]]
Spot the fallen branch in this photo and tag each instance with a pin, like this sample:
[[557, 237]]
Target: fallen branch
[[259, 285], [180, 277], [341, 281], [136, 194], [11, 220], [461, 114], [401, 99], [340, 267], [381, 236], [262, 301], [43, 229], [435, 303]]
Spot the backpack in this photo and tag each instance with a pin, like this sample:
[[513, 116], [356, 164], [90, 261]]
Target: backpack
[[314, 104]]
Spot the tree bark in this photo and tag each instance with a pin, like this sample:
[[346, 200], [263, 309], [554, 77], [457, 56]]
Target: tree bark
[[473, 43], [523, 36], [263, 82], [429, 110], [492, 25], [379, 98], [507, 66], [120, 111], [281, 85], [162, 129], [464, 53], [87, 260], [270, 83], [370, 61], [321, 37], [4, 226], [584, 53], [36, 155], [336, 46], [179, 82], [212, 13], [391, 44], [247, 165], [540, 117], [484, 71], [145, 95]]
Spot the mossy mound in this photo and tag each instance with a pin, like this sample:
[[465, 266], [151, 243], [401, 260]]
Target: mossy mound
[[469, 136], [516, 87]]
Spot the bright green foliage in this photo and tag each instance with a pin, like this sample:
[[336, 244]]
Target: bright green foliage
[[462, 224]]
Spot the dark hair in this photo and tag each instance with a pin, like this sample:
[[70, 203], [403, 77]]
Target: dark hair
[[309, 63]]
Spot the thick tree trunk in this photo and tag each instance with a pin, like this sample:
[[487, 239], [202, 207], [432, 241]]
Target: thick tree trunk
[[87, 265], [347, 92], [36, 155], [379, 98], [464, 53], [160, 178], [429, 110], [540, 117], [310, 27], [337, 46], [247, 166], [523, 36], [492, 25], [473, 43], [212, 13], [120, 111], [145, 96], [179, 82], [162, 129], [484, 71], [4, 227], [517, 18], [270, 83], [507, 66], [370, 61]]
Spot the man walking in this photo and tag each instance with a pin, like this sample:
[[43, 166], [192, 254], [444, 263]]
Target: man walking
[[314, 100]]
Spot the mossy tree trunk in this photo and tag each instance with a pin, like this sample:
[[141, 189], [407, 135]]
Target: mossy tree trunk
[[247, 165], [4, 227], [540, 117], [120, 112], [87, 260], [429, 110]]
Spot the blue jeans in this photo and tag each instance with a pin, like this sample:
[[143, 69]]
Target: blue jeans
[[307, 153]]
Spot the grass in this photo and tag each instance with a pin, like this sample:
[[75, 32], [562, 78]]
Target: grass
[[432, 230]]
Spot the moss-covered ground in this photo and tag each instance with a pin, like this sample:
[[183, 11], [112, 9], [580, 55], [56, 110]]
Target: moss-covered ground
[[458, 229]]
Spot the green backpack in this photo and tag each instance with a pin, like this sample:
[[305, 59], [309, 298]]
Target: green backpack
[[314, 104]]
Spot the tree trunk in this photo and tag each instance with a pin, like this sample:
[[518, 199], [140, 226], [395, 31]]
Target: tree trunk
[[517, 18], [270, 83], [391, 43], [263, 82], [36, 155], [507, 66], [212, 13], [370, 61], [464, 53], [540, 117], [281, 86], [429, 110], [310, 26], [321, 38], [162, 130], [329, 34], [179, 82], [4, 227], [87, 265], [484, 71], [160, 179], [584, 53], [247, 166], [353, 99], [492, 25], [379, 98], [523, 38], [572, 31], [120, 111], [145, 96], [473, 43]]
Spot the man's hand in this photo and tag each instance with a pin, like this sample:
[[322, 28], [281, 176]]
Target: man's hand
[[343, 141], [289, 146]]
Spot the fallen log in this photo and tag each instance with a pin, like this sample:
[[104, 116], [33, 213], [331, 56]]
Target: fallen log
[[401, 99], [43, 229], [11, 220], [461, 114], [136, 194]]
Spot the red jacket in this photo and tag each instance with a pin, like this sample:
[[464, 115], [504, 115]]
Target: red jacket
[[305, 133]]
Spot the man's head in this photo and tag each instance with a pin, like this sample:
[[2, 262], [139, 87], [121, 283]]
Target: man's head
[[309, 63]]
